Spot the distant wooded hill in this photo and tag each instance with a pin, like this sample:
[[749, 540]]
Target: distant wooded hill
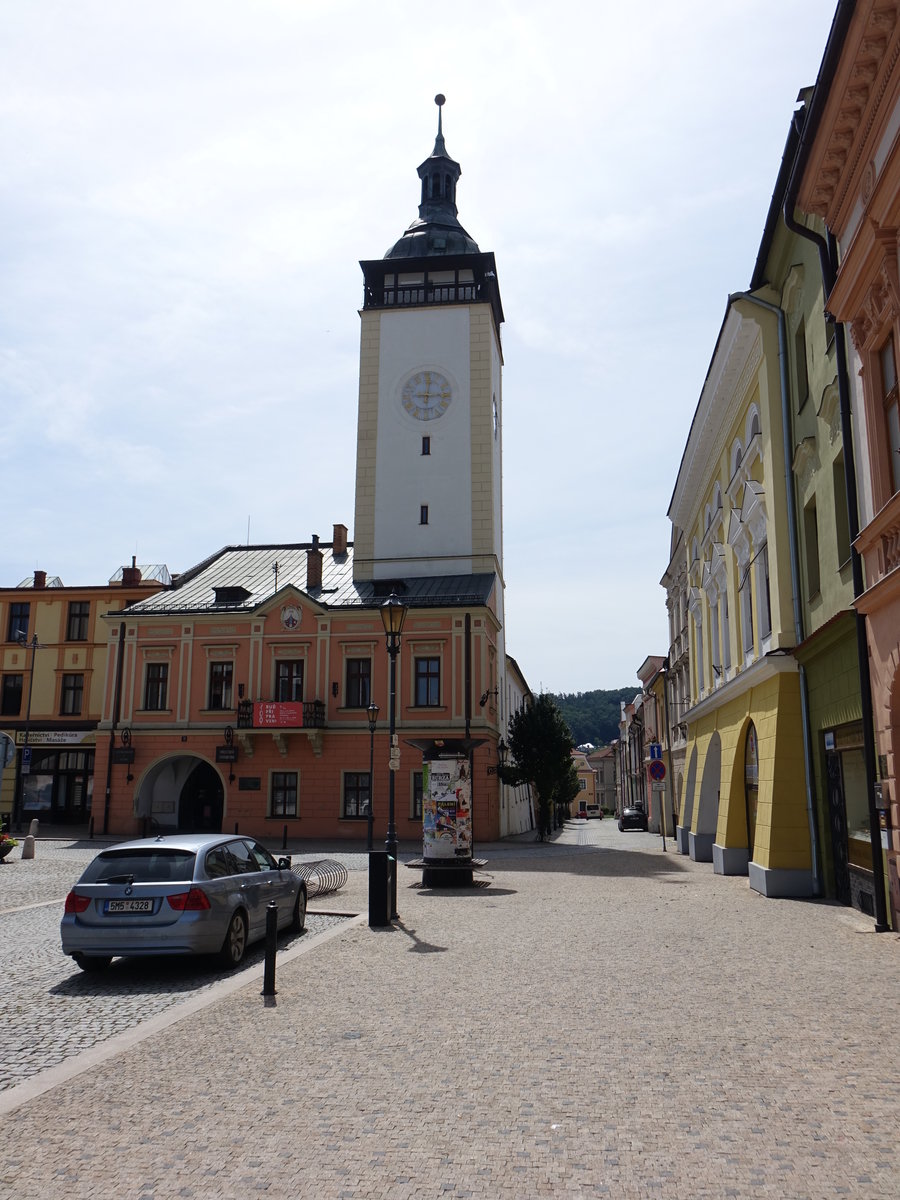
[[594, 716]]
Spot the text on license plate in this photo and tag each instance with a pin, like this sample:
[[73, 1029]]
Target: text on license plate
[[120, 906]]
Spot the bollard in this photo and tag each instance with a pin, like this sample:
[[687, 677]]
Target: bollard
[[284, 838], [91, 828], [235, 828], [33, 828], [379, 889], [271, 947], [28, 847]]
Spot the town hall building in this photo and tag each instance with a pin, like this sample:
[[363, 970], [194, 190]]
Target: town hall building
[[243, 697]]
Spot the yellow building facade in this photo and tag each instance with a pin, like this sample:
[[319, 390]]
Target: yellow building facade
[[746, 803], [53, 674]]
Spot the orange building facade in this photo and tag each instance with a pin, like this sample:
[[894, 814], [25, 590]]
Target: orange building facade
[[238, 699]]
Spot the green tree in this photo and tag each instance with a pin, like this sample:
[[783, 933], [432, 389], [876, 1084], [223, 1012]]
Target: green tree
[[540, 747]]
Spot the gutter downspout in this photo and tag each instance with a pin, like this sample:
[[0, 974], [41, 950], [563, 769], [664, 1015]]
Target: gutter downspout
[[827, 263], [787, 436]]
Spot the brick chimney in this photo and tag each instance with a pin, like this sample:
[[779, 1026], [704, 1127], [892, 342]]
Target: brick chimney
[[339, 541], [40, 580], [314, 564], [131, 576]]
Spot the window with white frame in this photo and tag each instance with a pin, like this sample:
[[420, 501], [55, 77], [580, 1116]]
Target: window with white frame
[[357, 790], [283, 794], [891, 402], [746, 603], [726, 630], [764, 615], [220, 685], [428, 682], [811, 545], [156, 686], [289, 679]]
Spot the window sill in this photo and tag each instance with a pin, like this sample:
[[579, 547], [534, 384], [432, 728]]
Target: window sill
[[153, 712], [216, 712], [434, 708]]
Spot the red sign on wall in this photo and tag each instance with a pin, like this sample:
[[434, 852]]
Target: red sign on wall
[[278, 714]]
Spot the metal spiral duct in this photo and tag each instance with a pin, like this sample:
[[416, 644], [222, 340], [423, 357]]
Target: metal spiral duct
[[323, 876]]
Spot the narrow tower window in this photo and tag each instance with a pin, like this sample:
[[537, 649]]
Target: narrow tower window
[[426, 445], [423, 514]]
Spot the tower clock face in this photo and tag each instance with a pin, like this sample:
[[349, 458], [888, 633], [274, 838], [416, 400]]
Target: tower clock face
[[426, 395]]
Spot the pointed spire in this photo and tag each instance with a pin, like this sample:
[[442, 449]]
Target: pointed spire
[[440, 150], [437, 230]]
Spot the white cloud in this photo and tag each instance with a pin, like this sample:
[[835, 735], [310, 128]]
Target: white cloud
[[188, 188]]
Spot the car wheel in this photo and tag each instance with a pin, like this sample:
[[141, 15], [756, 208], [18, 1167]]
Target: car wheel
[[92, 963], [621, 827], [235, 944], [298, 921]]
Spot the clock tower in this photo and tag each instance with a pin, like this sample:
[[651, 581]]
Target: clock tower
[[429, 436]]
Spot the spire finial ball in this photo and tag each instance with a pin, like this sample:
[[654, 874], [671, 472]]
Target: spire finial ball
[[439, 100]]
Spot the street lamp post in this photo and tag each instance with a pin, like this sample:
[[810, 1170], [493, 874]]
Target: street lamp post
[[22, 638], [372, 711], [393, 614]]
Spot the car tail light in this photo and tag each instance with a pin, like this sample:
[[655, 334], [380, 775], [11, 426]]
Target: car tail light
[[76, 903], [196, 900]]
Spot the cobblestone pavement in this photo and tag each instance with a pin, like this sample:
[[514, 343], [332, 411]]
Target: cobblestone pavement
[[596, 1018], [50, 1010]]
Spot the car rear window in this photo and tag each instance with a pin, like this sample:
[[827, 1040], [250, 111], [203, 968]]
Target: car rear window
[[150, 865]]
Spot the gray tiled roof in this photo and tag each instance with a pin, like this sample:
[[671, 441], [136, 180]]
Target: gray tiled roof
[[252, 568]]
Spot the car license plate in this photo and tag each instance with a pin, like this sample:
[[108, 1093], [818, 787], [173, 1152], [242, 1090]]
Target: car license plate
[[129, 906]]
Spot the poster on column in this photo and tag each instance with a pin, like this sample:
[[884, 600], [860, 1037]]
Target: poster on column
[[447, 808]]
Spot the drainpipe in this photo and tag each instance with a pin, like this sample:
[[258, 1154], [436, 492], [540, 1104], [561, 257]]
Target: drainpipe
[[787, 437], [827, 262], [116, 713]]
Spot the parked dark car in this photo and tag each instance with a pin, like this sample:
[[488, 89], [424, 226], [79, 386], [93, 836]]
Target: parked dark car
[[179, 894], [632, 818]]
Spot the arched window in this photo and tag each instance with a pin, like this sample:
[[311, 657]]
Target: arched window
[[435, 186], [736, 455], [752, 424]]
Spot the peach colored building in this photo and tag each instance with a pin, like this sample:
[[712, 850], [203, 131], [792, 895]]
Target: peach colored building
[[244, 696]]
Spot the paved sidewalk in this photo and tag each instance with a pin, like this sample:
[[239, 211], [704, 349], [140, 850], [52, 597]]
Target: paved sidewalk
[[602, 1020]]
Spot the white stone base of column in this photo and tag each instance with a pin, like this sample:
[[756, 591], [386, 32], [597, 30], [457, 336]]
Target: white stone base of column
[[778, 883], [701, 847], [682, 836], [730, 860]]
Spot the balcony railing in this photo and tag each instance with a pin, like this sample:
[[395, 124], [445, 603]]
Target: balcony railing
[[436, 293], [313, 715]]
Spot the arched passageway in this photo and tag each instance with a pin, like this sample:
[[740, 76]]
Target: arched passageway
[[182, 794], [702, 838]]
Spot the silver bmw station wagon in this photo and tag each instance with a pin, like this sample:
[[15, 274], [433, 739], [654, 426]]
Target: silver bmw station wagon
[[179, 894]]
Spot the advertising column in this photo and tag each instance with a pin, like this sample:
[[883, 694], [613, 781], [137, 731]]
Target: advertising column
[[447, 811]]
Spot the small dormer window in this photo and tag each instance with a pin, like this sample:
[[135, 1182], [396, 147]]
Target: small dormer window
[[231, 595]]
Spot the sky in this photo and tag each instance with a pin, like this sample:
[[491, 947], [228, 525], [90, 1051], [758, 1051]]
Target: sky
[[188, 187]]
